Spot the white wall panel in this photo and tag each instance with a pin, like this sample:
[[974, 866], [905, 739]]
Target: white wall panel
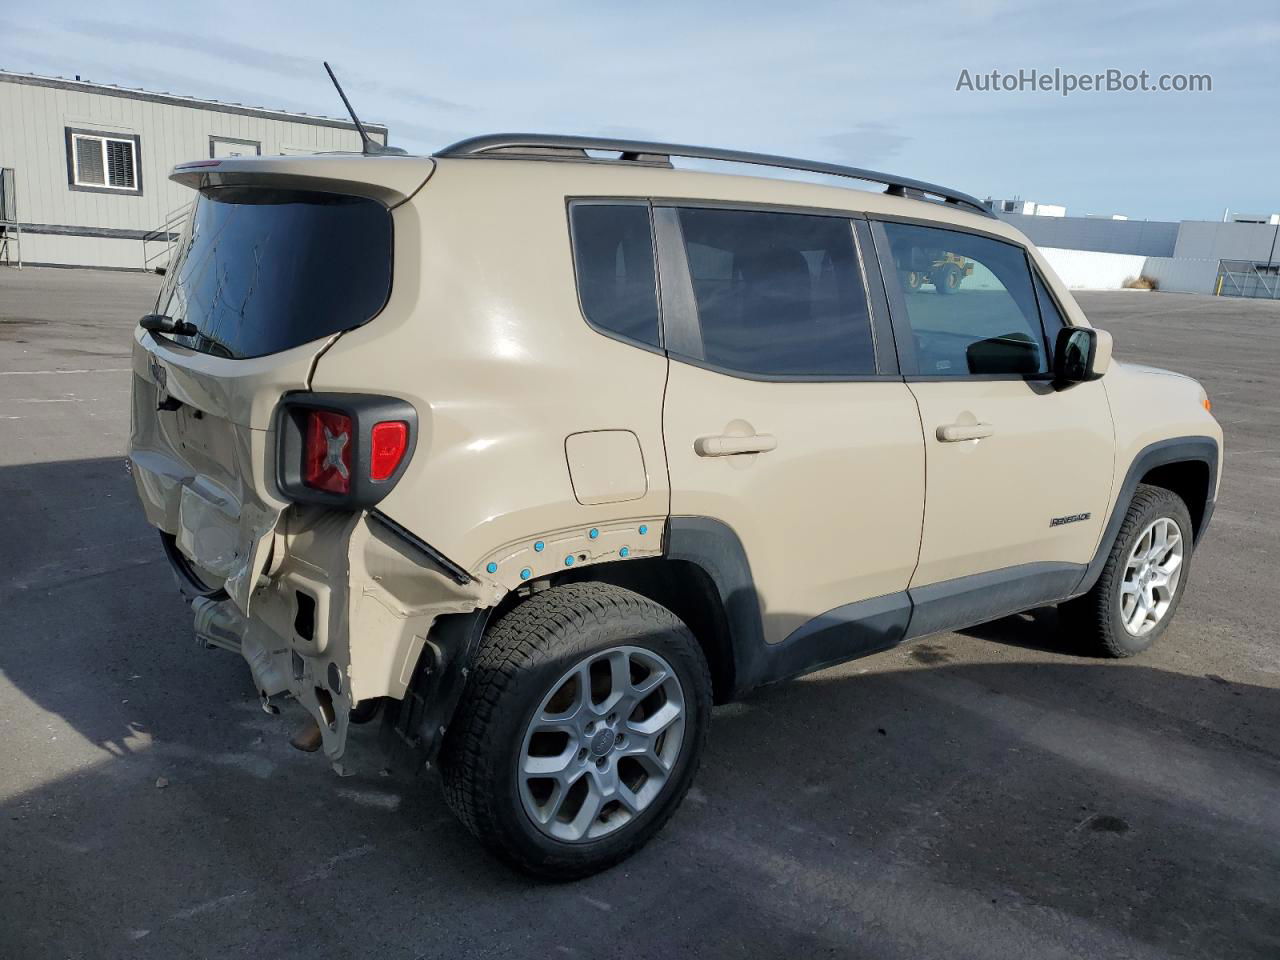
[[33, 120], [1178, 275], [1090, 270]]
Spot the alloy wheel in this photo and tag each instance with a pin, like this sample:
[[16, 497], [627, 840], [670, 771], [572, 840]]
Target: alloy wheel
[[1151, 576], [602, 744]]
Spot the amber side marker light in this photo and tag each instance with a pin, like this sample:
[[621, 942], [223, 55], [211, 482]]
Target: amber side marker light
[[1207, 404]]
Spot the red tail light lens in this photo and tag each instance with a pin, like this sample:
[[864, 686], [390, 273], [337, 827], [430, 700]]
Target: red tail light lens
[[388, 442], [343, 451], [326, 456]]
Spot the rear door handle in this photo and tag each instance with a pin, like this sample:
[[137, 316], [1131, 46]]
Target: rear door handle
[[953, 432], [726, 446]]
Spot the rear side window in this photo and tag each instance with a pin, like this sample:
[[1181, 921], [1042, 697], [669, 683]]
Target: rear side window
[[266, 270], [613, 262], [778, 294], [970, 302]]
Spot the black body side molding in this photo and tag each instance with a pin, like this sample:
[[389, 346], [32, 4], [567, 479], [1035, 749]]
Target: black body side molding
[[715, 547], [977, 598], [447, 566], [845, 633], [868, 626], [854, 629]]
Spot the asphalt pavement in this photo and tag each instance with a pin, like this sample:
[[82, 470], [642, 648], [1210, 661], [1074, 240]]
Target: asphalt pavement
[[990, 794]]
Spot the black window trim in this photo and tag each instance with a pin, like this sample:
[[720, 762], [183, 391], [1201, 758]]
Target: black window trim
[[680, 320], [1038, 275], [883, 336], [69, 135], [903, 334], [570, 203]]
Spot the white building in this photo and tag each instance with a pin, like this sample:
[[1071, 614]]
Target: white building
[[86, 165], [1027, 208], [1270, 219]]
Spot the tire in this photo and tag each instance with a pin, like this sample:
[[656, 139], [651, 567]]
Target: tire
[[528, 667], [1098, 617], [946, 280], [912, 280]]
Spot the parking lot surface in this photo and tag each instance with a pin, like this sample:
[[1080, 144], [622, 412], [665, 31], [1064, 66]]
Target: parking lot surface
[[988, 794]]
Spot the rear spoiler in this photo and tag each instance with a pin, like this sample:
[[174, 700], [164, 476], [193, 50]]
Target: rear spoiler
[[389, 179]]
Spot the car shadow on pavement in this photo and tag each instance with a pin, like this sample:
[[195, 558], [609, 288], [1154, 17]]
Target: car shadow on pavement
[[892, 807], [86, 597], [1039, 629]]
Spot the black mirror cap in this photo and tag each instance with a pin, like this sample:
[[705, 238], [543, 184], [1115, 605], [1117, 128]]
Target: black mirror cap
[[1075, 355]]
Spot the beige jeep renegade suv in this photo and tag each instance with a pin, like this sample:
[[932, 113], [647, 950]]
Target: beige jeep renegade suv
[[537, 448]]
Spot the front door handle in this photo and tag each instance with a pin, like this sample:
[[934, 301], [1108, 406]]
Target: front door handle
[[727, 446], [953, 432]]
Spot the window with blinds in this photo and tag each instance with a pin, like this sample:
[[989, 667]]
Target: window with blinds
[[104, 162]]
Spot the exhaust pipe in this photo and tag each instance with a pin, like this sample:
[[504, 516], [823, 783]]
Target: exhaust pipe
[[218, 624]]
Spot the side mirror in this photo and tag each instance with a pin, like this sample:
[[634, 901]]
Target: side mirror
[[1081, 354]]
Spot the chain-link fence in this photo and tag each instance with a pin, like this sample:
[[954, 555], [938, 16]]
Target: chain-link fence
[[1241, 278]]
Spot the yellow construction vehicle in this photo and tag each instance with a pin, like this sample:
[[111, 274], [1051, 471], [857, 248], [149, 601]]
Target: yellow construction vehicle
[[946, 274]]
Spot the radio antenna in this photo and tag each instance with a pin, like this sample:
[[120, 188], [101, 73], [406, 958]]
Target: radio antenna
[[370, 146]]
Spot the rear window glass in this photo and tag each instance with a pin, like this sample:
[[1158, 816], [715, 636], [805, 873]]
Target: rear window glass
[[613, 260], [778, 294], [265, 270]]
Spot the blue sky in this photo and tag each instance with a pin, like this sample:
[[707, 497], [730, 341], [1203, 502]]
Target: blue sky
[[869, 85]]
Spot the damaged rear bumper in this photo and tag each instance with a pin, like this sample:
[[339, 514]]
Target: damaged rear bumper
[[340, 617]]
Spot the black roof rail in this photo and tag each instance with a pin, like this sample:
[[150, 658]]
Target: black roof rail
[[557, 146]]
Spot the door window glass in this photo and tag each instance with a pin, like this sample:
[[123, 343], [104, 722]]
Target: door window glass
[[970, 302], [613, 260], [778, 294]]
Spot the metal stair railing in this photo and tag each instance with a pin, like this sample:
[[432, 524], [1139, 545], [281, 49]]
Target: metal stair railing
[[163, 238], [10, 226]]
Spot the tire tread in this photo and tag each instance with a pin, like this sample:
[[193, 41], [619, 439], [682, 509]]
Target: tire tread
[[1092, 615], [533, 632]]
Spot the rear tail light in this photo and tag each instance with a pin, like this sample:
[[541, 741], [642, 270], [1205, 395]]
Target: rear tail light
[[388, 442], [343, 450], [327, 453]]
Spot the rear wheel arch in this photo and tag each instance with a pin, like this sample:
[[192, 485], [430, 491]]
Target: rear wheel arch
[[688, 591], [684, 587], [704, 578]]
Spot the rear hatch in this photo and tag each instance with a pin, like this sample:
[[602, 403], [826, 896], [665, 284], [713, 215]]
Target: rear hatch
[[281, 256]]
